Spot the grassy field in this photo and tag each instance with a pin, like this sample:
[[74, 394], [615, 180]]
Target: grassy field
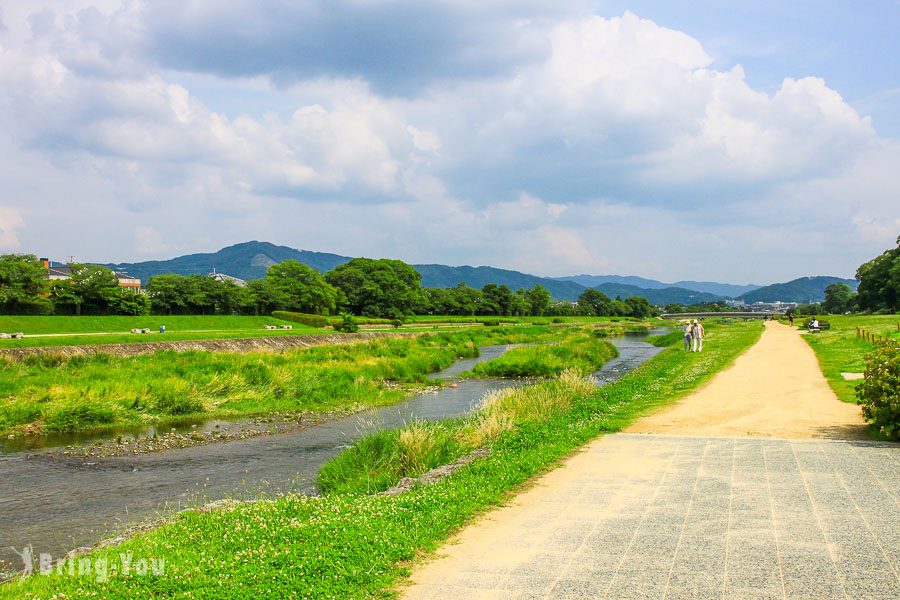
[[52, 393], [354, 546], [840, 351], [580, 351], [76, 331]]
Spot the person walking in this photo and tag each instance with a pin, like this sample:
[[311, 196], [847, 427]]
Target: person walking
[[697, 336], [687, 336]]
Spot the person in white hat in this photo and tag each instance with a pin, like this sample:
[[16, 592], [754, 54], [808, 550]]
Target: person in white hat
[[687, 335]]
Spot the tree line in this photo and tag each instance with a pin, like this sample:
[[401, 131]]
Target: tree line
[[380, 288]]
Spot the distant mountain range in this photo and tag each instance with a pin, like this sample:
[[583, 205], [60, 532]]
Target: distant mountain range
[[724, 290], [249, 260], [804, 289]]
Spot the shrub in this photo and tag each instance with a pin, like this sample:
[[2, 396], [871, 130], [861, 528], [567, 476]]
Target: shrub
[[879, 392], [348, 324], [491, 323], [302, 318], [558, 320]]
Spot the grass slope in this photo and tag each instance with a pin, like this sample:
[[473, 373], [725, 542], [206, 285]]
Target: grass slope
[[840, 351], [352, 546]]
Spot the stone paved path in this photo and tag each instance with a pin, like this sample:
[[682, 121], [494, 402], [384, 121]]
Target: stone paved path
[[696, 516]]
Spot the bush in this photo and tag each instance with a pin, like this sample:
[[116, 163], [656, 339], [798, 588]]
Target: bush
[[879, 392], [558, 320], [491, 323], [348, 324], [302, 318]]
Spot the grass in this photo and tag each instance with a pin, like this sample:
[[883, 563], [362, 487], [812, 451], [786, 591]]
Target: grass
[[53, 393], [115, 329], [840, 351], [353, 546], [579, 350]]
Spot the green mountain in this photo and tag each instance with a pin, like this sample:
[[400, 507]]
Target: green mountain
[[248, 260], [725, 290], [804, 289], [660, 297], [442, 276]]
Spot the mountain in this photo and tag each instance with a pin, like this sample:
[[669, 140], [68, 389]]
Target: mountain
[[726, 290], [595, 280], [248, 260], [442, 276], [804, 289], [668, 295]]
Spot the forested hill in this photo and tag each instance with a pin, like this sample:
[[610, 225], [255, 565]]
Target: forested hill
[[250, 260], [804, 289], [659, 297], [725, 290]]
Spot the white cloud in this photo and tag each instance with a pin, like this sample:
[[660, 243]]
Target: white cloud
[[10, 222], [587, 147]]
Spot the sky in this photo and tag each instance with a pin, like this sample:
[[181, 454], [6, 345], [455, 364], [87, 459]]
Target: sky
[[749, 141]]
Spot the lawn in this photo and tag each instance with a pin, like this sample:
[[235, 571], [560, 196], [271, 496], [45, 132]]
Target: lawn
[[115, 329], [840, 351], [346, 545]]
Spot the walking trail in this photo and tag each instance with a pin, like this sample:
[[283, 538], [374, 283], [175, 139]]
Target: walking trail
[[758, 485]]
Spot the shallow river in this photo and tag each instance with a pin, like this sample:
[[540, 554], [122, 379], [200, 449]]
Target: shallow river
[[55, 505]]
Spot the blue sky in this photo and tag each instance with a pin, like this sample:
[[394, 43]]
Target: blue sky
[[740, 141]]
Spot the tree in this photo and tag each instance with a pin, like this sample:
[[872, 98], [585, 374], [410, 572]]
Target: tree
[[496, 300], [377, 287], [638, 307], [879, 282], [593, 302], [168, 294], [539, 299], [23, 286], [300, 288], [90, 288], [125, 301], [838, 298]]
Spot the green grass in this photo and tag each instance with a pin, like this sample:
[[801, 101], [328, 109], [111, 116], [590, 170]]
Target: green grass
[[52, 393], [116, 329], [579, 350], [839, 350], [666, 339], [354, 546]]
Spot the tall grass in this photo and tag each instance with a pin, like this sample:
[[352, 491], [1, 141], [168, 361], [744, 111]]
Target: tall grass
[[578, 350], [53, 393]]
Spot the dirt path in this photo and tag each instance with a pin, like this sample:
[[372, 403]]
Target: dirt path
[[723, 506], [775, 389]]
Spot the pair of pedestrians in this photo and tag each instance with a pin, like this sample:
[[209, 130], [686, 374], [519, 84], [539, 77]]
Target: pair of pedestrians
[[693, 336]]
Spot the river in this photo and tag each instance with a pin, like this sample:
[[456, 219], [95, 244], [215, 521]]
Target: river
[[55, 505]]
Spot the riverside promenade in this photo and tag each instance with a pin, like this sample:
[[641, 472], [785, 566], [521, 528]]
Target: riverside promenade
[[761, 484]]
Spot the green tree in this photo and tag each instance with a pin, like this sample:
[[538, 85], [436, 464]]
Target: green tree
[[496, 300], [23, 285], [638, 307], [838, 298], [300, 288], [168, 294], [593, 302], [90, 289], [879, 282], [377, 287], [126, 301], [539, 299]]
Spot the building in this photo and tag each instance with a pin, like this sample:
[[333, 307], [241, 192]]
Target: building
[[60, 272], [225, 278]]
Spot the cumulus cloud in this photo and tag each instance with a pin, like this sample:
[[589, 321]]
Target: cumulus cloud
[[530, 135], [10, 221]]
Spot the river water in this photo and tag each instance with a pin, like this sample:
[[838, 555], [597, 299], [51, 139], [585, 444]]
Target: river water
[[56, 505]]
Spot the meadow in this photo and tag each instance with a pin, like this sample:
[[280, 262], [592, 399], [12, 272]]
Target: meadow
[[77, 331], [353, 545], [839, 350], [53, 393]]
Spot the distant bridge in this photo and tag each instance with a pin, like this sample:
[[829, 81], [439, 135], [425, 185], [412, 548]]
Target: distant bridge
[[738, 315]]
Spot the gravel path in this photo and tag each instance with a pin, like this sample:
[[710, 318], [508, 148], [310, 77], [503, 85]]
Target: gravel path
[[708, 513]]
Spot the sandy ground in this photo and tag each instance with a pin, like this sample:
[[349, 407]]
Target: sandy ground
[[775, 389]]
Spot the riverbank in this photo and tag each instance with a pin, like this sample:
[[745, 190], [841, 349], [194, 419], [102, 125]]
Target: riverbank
[[347, 545]]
